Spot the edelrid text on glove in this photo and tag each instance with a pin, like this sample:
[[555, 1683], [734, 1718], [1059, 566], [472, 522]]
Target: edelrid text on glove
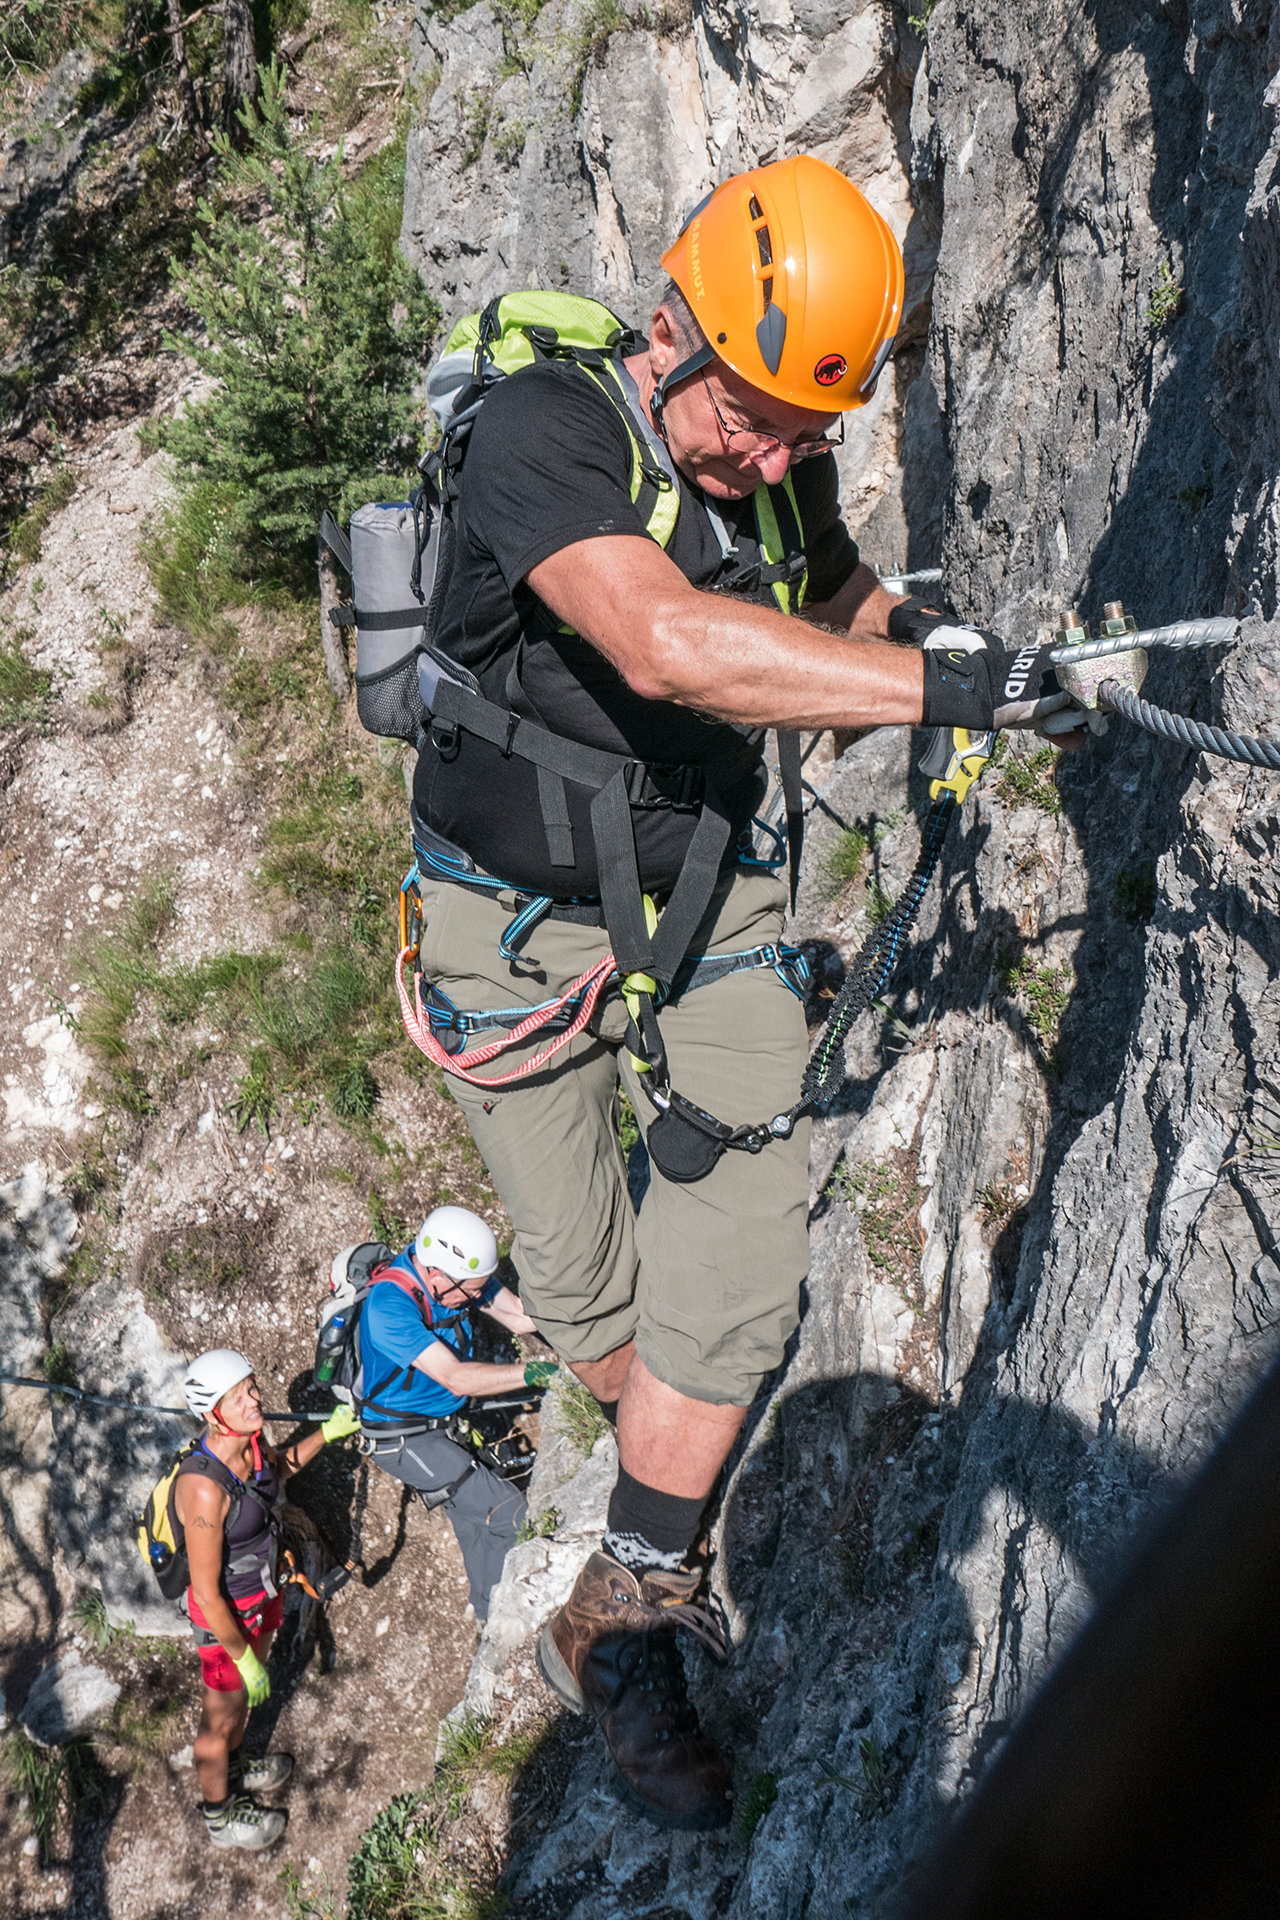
[[254, 1675], [972, 680], [341, 1424], [540, 1373]]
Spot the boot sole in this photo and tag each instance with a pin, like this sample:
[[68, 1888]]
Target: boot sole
[[565, 1687], [701, 1822], [557, 1675]]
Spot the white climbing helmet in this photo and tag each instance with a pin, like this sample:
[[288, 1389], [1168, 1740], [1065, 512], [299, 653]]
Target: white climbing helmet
[[211, 1375], [458, 1242]]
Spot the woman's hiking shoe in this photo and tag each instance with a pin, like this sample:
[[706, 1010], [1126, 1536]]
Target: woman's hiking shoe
[[238, 1823], [611, 1651], [258, 1773]]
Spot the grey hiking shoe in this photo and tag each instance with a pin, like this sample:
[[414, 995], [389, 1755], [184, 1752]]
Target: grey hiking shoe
[[241, 1824], [258, 1773]]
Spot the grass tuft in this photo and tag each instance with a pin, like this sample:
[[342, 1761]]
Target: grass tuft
[[579, 1417], [25, 690], [755, 1803], [89, 1611], [1029, 780]]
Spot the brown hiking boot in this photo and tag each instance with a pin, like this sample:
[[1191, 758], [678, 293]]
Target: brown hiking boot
[[611, 1651]]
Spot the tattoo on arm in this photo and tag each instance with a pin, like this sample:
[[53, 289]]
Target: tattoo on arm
[[198, 1520]]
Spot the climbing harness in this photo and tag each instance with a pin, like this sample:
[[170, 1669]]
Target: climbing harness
[[684, 1141]]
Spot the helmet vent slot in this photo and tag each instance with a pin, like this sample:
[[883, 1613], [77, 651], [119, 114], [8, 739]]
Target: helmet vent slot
[[766, 250], [755, 209], [766, 287]]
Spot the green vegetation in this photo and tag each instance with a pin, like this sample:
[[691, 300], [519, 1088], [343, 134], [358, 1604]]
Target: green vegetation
[[597, 22], [51, 1780], [1135, 893], [628, 1125], [844, 860], [405, 1867], [1043, 993], [997, 1203], [25, 690], [540, 1526], [1194, 497], [879, 903], [885, 1198], [55, 1364], [316, 330], [919, 20], [89, 1611], [388, 1225], [1166, 300], [29, 529], [579, 1417], [1029, 779], [755, 1803]]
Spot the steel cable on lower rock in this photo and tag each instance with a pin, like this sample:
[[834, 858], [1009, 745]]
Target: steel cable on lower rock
[[1189, 733], [872, 965]]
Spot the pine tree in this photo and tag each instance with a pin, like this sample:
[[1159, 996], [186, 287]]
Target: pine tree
[[316, 331]]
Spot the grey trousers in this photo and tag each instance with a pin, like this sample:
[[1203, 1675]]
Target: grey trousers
[[486, 1511]]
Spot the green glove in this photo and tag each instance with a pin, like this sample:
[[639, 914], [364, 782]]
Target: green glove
[[342, 1423], [540, 1373], [254, 1675]]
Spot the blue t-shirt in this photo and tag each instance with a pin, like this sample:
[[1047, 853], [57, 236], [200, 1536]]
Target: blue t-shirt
[[393, 1332]]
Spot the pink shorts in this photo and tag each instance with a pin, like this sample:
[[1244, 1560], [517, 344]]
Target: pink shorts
[[258, 1619]]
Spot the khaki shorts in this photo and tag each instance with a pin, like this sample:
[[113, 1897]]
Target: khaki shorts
[[706, 1277]]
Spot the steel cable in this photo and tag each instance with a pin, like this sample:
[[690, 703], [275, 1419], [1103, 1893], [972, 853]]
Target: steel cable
[[1189, 733], [1219, 632], [133, 1406]]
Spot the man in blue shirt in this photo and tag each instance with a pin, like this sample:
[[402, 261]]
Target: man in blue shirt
[[416, 1371]]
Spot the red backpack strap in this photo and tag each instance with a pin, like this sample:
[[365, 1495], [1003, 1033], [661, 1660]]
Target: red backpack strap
[[397, 1277]]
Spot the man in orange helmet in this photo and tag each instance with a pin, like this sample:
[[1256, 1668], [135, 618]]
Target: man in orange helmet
[[599, 788]]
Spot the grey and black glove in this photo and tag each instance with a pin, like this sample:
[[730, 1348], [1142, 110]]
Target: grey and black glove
[[971, 679]]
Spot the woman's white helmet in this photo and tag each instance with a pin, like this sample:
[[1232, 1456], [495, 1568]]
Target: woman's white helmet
[[458, 1242], [211, 1375]]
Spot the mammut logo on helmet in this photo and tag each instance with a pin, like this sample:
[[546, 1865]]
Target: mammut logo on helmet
[[831, 367]]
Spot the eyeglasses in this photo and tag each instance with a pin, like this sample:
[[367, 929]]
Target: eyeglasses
[[753, 445]]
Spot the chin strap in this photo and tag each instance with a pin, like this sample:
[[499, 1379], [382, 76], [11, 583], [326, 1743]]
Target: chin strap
[[684, 370]]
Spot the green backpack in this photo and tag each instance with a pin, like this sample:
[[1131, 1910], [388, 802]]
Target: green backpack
[[399, 555]]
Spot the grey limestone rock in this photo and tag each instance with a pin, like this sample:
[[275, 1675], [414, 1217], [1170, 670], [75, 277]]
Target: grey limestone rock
[[68, 1698], [105, 1460]]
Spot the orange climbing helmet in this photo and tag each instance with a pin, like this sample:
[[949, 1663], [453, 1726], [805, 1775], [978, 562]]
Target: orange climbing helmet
[[796, 282]]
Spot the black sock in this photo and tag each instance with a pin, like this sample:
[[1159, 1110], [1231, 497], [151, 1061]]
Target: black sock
[[647, 1528], [609, 1408], [211, 1807]]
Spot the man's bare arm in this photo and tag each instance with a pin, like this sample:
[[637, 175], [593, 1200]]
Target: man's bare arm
[[670, 641], [860, 609]]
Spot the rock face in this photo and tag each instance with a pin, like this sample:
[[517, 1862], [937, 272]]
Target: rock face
[[1044, 1268], [69, 1698]]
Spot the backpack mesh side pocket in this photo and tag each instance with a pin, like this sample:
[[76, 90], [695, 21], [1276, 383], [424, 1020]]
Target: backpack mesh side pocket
[[388, 702]]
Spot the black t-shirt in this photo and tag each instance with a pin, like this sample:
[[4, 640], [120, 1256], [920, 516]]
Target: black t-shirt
[[549, 464]]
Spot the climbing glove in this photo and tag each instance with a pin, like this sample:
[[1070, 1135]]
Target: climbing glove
[[540, 1373], [254, 1675], [971, 679], [341, 1424]]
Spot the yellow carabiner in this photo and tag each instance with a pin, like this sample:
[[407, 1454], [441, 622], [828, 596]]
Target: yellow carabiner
[[637, 983], [956, 761]]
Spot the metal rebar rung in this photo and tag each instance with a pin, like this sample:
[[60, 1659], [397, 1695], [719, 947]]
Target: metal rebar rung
[[1190, 733], [1218, 632]]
